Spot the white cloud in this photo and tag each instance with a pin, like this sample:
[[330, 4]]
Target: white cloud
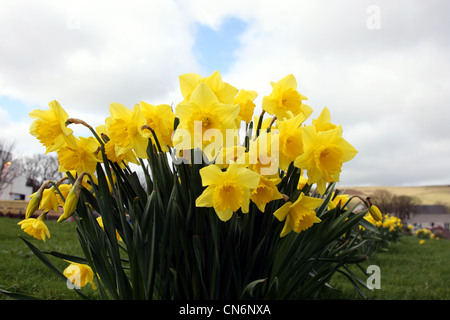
[[387, 87]]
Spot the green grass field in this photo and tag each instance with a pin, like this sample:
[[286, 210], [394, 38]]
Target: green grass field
[[409, 271]]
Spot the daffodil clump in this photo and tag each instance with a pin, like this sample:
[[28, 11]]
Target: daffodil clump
[[207, 199], [390, 228], [424, 233]]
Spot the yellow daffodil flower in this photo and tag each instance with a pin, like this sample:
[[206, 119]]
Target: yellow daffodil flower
[[201, 116], [234, 154], [340, 200], [323, 156], [265, 192], [49, 200], [81, 159], [369, 218], [323, 122], [50, 128], [302, 181], [70, 205], [284, 98], [224, 92], [111, 150], [263, 155], [228, 191], [125, 129], [299, 215], [161, 119], [64, 189], [291, 143], [80, 275], [35, 227], [245, 100]]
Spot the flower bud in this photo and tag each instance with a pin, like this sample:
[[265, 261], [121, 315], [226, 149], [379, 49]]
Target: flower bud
[[71, 202], [375, 213], [34, 203]]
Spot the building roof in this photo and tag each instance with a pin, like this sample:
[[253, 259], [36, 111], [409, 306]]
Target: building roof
[[431, 209], [430, 217]]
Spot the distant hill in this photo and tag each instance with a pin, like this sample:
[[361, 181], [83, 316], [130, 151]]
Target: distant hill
[[427, 195]]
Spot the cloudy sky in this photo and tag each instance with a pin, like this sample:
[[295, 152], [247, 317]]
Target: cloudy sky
[[380, 67]]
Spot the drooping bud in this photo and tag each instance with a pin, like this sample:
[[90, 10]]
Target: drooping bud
[[375, 213], [71, 202], [33, 205]]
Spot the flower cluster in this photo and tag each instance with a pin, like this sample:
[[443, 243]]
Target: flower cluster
[[424, 233], [234, 203], [211, 117]]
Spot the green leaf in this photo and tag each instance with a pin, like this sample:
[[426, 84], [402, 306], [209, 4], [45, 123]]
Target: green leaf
[[49, 264], [18, 296], [248, 291]]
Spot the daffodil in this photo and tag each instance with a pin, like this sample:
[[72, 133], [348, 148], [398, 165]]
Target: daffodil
[[64, 189], [227, 191], [80, 275], [285, 97], [323, 155], [160, 119], [290, 143], [302, 181], [339, 200], [50, 127], [300, 215], [224, 92], [323, 122], [203, 119], [370, 219], [263, 155], [71, 201], [245, 100], [265, 192], [233, 154], [35, 227], [81, 159], [49, 200], [111, 150], [125, 129]]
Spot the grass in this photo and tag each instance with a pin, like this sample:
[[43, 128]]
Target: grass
[[409, 271], [22, 272]]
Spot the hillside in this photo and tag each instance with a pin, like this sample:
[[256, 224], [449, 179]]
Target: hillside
[[427, 195]]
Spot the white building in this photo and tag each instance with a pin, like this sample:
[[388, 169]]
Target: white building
[[17, 189]]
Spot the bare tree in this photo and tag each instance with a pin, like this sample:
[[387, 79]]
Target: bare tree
[[401, 206], [7, 166], [404, 206], [39, 168], [383, 199]]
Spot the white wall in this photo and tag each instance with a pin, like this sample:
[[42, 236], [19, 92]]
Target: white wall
[[16, 188]]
